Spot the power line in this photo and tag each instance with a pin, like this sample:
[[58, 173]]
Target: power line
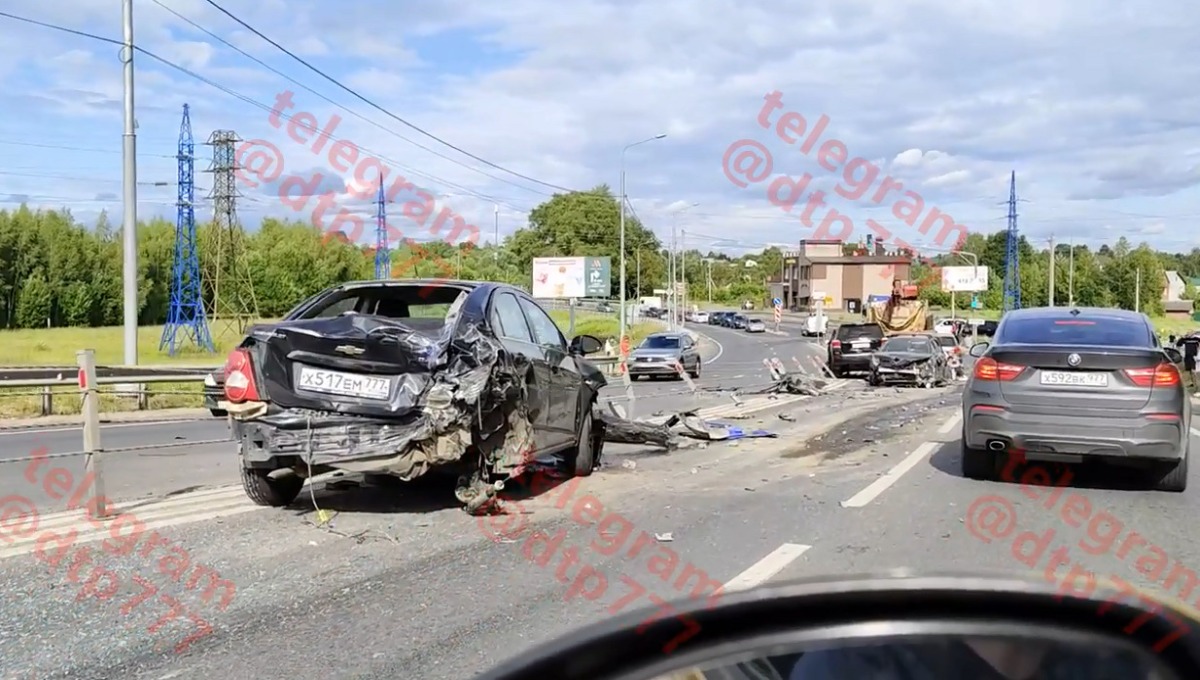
[[379, 108], [264, 107], [81, 179], [347, 109], [80, 148]]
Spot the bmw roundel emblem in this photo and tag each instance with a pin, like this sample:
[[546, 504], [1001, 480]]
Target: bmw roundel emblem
[[1074, 359]]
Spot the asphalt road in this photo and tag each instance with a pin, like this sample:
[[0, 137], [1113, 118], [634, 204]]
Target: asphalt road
[[406, 585], [403, 583]]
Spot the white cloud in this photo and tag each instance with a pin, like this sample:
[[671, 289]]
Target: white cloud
[[1084, 102]]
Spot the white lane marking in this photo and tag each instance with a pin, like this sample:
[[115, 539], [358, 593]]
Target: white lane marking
[[1196, 432], [10, 432], [892, 476], [720, 350], [950, 424], [767, 567], [73, 526]]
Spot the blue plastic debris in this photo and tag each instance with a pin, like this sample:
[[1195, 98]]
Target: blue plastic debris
[[735, 432]]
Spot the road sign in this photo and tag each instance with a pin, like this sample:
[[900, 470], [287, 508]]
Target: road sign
[[828, 300], [572, 277], [964, 279], [975, 302], [777, 302], [778, 314]]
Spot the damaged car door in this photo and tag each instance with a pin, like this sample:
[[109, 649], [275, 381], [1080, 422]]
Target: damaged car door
[[514, 332], [565, 380]]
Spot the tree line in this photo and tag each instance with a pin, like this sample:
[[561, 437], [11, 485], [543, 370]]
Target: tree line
[[56, 271]]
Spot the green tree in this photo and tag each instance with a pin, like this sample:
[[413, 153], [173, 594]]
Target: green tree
[[35, 302], [587, 223]]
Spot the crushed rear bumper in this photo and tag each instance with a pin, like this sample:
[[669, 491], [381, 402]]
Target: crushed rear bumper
[[324, 439], [1051, 435]]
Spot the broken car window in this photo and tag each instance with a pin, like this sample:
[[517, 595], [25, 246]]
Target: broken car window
[[508, 318], [545, 331], [913, 345], [339, 307]]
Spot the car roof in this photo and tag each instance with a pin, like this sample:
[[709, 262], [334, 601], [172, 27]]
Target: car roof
[[1096, 313], [367, 283], [667, 334]]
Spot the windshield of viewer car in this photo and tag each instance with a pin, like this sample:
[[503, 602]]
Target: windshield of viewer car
[[660, 342], [1111, 332]]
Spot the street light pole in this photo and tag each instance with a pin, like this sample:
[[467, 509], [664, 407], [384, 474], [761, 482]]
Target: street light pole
[[129, 266], [624, 197], [678, 268], [1071, 275]]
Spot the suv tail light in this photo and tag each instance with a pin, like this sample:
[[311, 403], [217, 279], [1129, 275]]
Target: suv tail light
[[835, 344], [988, 368], [239, 377], [1162, 375]]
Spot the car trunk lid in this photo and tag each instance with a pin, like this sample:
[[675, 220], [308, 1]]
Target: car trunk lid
[[354, 363], [1075, 378]]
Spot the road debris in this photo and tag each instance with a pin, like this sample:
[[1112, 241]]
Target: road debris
[[667, 433]]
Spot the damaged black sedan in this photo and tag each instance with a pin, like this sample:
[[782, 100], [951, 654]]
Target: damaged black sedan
[[910, 359], [402, 378]]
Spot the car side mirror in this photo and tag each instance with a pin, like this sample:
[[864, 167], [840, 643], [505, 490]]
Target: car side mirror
[[978, 349], [585, 344], [1174, 355]]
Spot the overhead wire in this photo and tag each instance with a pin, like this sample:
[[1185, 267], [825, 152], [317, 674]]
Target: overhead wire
[[379, 108], [81, 179], [343, 107], [248, 100], [80, 148]]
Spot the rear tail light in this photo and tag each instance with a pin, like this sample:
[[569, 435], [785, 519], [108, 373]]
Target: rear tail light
[[1162, 375], [240, 385], [836, 344], [988, 368]]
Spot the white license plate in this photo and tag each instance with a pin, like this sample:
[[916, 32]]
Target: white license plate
[[859, 344], [1075, 378], [344, 384]]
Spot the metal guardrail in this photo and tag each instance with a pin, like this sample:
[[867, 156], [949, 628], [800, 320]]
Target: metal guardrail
[[69, 377]]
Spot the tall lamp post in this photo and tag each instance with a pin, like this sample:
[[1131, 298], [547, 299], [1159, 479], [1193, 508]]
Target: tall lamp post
[[623, 199], [678, 268]]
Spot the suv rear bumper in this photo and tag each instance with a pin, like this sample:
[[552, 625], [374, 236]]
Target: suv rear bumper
[[854, 362], [1110, 437]]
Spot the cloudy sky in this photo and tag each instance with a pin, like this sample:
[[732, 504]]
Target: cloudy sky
[[496, 105]]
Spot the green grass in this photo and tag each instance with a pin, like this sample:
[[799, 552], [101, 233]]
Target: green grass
[[57, 347]]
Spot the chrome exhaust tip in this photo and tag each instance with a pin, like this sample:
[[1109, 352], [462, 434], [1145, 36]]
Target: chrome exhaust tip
[[996, 445]]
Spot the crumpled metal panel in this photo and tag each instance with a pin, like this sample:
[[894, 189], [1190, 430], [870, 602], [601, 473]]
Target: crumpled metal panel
[[902, 361], [462, 388]]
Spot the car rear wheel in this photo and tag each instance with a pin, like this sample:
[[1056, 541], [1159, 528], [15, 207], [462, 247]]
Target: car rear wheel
[[585, 448], [275, 491], [979, 463], [695, 373], [1175, 478]]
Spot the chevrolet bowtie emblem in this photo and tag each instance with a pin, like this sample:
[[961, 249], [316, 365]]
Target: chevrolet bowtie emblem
[[349, 349]]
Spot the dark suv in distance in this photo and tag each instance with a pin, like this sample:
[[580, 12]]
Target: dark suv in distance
[[851, 347]]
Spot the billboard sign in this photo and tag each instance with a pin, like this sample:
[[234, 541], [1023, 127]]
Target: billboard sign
[[964, 279], [572, 277]]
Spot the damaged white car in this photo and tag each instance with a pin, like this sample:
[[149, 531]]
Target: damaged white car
[[402, 378]]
